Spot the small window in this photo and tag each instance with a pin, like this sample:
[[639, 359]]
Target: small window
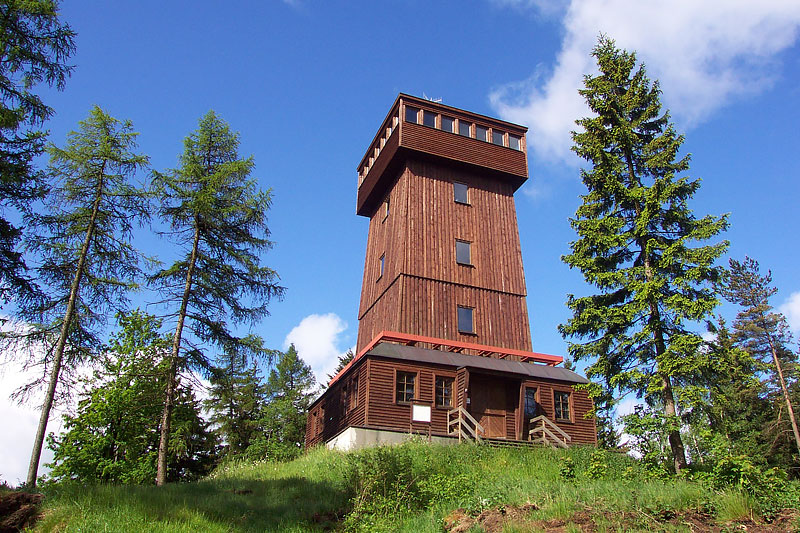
[[354, 393], [412, 114], [481, 132], [561, 401], [460, 192], [382, 260], [448, 123], [514, 142], [463, 256], [444, 392], [429, 119], [497, 137], [345, 399], [405, 387], [464, 128], [465, 324], [385, 209], [531, 410]]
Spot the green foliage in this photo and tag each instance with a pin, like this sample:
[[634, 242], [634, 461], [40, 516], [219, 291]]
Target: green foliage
[[638, 240], [598, 467], [113, 437], [34, 49], [648, 431], [567, 470]]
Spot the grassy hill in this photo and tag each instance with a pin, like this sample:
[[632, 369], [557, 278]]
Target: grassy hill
[[417, 488]]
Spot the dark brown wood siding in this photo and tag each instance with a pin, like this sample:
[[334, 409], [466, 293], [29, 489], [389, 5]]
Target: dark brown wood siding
[[334, 412], [582, 430]]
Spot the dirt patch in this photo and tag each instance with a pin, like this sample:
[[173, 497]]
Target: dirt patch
[[591, 520], [18, 510]]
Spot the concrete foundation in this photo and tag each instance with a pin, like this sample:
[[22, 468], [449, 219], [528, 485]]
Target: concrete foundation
[[354, 438]]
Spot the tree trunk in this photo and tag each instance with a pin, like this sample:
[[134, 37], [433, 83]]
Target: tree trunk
[[55, 371], [786, 398], [172, 373]]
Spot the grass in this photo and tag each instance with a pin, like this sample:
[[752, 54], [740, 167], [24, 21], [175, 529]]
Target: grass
[[406, 488]]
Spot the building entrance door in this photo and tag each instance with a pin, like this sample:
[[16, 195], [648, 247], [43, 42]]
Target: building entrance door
[[489, 403]]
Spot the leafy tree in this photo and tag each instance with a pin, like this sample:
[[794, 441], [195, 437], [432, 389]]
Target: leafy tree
[[235, 403], [34, 48], [759, 330], [87, 260], [637, 242], [217, 216], [344, 360], [289, 392], [114, 435]]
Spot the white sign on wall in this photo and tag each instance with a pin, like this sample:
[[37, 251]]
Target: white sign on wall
[[421, 413]]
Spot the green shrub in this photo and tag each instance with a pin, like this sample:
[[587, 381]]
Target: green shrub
[[598, 467], [567, 470]]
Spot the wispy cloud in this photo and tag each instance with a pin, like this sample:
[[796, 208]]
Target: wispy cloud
[[704, 53], [316, 339], [791, 310]]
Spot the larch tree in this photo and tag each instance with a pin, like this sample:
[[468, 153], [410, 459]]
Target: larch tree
[[638, 242], [34, 48], [758, 329], [218, 217], [87, 261]]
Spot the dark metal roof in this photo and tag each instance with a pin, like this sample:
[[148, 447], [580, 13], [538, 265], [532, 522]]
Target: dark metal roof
[[425, 355]]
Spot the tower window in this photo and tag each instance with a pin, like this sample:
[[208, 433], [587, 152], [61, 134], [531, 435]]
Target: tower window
[[464, 128], [481, 132], [385, 209], [429, 119], [497, 137], [448, 123], [463, 256], [461, 192], [465, 323], [514, 142], [382, 261], [412, 114]]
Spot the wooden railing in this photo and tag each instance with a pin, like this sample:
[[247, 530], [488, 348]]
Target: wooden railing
[[462, 424], [541, 433]]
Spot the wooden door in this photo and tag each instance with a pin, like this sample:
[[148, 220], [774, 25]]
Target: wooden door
[[488, 404]]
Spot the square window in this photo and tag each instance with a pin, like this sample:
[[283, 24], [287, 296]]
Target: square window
[[463, 256], [461, 192], [464, 128], [405, 387], [514, 142], [561, 405], [412, 114], [429, 119], [465, 324], [481, 132], [382, 261], [448, 123], [444, 392], [497, 137]]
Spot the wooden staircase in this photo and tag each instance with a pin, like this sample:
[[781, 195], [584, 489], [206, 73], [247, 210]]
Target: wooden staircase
[[542, 432], [461, 424]]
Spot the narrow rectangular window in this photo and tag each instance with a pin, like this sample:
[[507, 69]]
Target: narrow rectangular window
[[429, 119], [448, 123], [385, 209], [481, 132], [354, 394], [412, 114], [463, 256], [405, 387], [561, 405], [497, 137], [444, 392], [514, 142], [460, 192], [464, 128], [465, 324], [382, 261], [345, 399], [531, 409]]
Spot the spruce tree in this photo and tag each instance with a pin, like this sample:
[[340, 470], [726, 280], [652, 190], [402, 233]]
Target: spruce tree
[[34, 48], [759, 330], [638, 242], [218, 217], [87, 261]]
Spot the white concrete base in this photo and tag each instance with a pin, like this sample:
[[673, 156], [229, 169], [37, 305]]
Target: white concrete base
[[354, 438]]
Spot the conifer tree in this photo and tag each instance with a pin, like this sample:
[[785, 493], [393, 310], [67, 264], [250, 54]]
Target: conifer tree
[[87, 260], [638, 242], [758, 329], [34, 48], [218, 217]]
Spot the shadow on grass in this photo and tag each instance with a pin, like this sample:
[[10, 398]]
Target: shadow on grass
[[283, 504]]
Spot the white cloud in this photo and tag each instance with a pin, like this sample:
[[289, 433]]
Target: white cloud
[[791, 310], [704, 53], [316, 339]]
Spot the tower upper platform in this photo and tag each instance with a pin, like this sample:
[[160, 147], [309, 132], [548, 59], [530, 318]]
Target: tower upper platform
[[425, 129]]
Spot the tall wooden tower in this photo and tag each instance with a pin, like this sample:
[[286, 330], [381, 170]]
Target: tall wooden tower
[[443, 253]]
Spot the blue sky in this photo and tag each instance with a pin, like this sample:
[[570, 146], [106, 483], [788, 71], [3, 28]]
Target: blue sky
[[307, 83]]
